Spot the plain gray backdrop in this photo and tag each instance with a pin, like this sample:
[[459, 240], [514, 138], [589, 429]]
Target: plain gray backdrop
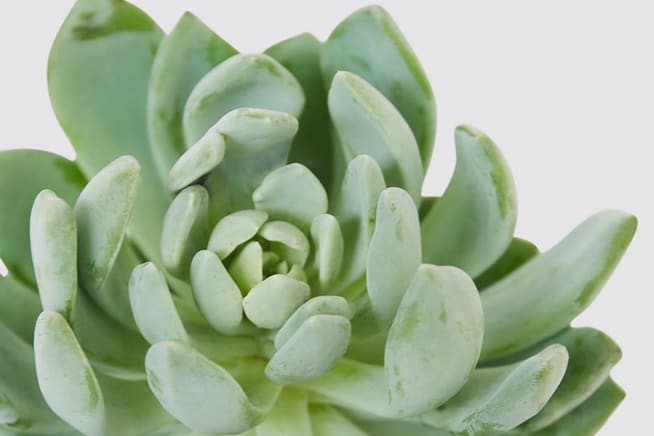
[[564, 88]]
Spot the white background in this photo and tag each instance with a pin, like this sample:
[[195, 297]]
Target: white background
[[566, 89]]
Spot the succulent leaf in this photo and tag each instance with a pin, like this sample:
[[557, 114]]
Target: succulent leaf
[[312, 145], [472, 224], [287, 240], [184, 56], [326, 421], [293, 194], [66, 379], [369, 44], [328, 243], [246, 267], [234, 230], [198, 160], [53, 237], [102, 108], [270, 303], [438, 330], [367, 123], [23, 174], [518, 252], [215, 292], [394, 254], [545, 294], [289, 417], [19, 307]]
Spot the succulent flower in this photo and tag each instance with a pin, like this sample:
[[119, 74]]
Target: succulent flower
[[241, 247]]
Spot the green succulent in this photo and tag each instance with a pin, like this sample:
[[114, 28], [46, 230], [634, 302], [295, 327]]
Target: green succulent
[[241, 247]]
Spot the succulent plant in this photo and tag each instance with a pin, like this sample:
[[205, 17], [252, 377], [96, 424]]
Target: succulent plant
[[241, 247]]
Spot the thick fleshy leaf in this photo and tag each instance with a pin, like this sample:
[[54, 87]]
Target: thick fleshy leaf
[[592, 355], [22, 407], [102, 212], [198, 160], [235, 229], [321, 305], [185, 229], [394, 254], [215, 292], [369, 44], [438, 330], [19, 307], [152, 305], [291, 193], [23, 174], [102, 108], [312, 145], [246, 268], [327, 251], [53, 239], [367, 123], [588, 418], [472, 224], [355, 210], [270, 303], [312, 349], [499, 399], [257, 141], [185, 55], [65, 376], [198, 392], [287, 241], [395, 428], [518, 252], [327, 421], [544, 295], [289, 417]]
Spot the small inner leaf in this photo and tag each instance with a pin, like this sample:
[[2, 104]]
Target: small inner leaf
[[246, 268], [270, 303], [234, 230], [328, 251], [287, 240]]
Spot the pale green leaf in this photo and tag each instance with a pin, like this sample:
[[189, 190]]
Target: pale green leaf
[[287, 241], [327, 252], [185, 229], [185, 55], [235, 229], [327, 421], [394, 254], [472, 224], [438, 330], [545, 294], [270, 303], [246, 268], [152, 305], [518, 252], [65, 376], [369, 44], [198, 160], [367, 123], [53, 238], [289, 417], [215, 292], [19, 307], [291, 193]]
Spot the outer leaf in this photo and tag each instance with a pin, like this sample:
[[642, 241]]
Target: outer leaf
[[23, 174], [312, 349], [312, 145], [22, 407], [498, 399], [589, 417], [291, 193], [197, 391], [102, 107], [472, 224], [395, 428], [53, 237], [257, 141], [19, 307], [102, 212], [367, 123], [65, 376], [327, 421], [438, 330], [355, 210], [545, 294], [153, 306], [394, 254], [185, 55], [592, 355], [518, 252], [369, 44]]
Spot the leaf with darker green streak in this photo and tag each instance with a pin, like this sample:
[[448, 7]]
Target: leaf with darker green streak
[[23, 174], [312, 145], [518, 252], [98, 74]]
